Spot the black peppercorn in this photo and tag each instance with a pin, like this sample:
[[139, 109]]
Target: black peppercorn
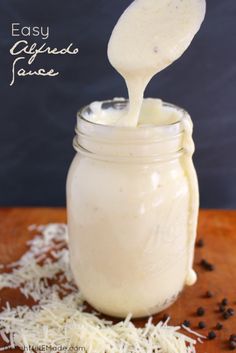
[[230, 311], [200, 311], [226, 315], [224, 301], [219, 326], [232, 345], [209, 294], [201, 325], [211, 335], [232, 337], [200, 243], [187, 323], [207, 265], [221, 308], [210, 267]]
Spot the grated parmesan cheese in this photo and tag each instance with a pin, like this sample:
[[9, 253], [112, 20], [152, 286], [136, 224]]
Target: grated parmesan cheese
[[59, 322]]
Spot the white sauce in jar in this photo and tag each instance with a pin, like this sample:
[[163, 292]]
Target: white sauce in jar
[[131, 209]]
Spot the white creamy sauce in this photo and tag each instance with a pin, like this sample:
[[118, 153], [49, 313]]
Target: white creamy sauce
[[149, 36], [132, 219], [151, 113], [154, 113], [120, 217]]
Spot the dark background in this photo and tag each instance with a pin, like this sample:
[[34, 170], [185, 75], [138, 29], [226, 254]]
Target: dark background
[[37, 115]]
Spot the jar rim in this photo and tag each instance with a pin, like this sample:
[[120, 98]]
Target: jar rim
[[145, 142], [121, 101]]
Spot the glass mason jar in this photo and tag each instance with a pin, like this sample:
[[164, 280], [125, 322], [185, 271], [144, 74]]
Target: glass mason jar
[[132, 203]]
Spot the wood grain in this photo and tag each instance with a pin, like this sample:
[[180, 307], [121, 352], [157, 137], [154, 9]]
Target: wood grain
[[217, 228]]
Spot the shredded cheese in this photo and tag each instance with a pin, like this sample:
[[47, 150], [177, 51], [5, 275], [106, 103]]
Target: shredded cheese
[[59, 321]]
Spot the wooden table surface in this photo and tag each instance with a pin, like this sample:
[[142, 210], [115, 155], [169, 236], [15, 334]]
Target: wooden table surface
[[217, 228]]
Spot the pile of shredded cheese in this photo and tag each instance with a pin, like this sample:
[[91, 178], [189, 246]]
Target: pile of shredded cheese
[[59, 321]]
